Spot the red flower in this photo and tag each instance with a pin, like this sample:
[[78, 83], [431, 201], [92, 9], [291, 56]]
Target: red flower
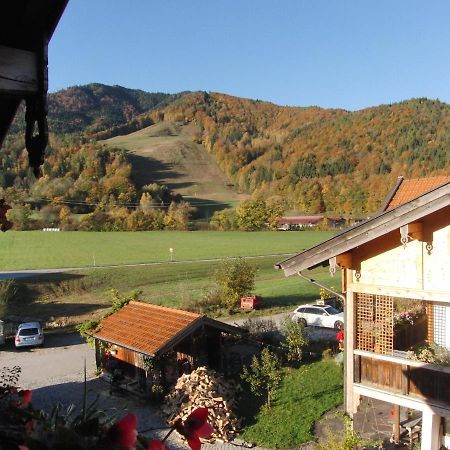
[[157, 445], [23, 447], [26, 396], [195, 427], [123, 432], [29, 426]]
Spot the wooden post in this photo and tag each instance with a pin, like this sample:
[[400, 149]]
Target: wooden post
[[396, 423]]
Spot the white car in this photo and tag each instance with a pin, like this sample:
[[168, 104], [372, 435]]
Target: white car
[[319, 316], [29, 334]]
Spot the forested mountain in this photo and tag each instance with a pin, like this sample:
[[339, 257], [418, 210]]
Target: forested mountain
[[313, 159], [320, 160], [86, 110]]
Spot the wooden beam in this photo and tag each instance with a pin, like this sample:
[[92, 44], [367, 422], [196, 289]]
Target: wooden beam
[[415, 230], [345, 260], [18, 71]]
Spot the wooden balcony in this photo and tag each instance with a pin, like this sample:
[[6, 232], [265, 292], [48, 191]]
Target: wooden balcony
[[400, 375]]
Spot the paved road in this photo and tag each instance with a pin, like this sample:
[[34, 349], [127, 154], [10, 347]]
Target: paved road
[[15, 274]]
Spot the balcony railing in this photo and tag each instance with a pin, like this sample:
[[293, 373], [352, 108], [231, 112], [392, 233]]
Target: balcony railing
[[400, 375]]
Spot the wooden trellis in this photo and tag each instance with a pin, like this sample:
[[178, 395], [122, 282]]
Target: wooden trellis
[[364, 322], [384, 324], [375, 323]]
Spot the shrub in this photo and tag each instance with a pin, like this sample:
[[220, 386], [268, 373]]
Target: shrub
[[235, 278], [431, 353], [294, 339], [264, 375], [8, 290], [262, 330]]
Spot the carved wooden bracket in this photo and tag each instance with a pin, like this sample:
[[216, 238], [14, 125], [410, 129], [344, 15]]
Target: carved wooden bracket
[[410, 231]]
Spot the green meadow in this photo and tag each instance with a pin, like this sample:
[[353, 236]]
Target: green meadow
[[128, 261], [49, 250]]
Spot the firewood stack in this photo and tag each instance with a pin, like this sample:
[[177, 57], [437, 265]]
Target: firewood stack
[[205, 388]]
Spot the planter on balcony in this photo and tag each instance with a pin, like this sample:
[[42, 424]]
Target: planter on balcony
[[409, 335]]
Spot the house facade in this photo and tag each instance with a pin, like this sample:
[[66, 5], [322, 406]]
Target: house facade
[[396, 285]]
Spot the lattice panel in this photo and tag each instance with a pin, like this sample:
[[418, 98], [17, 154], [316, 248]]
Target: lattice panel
[[439, 324], [365, 322], [384, 324]]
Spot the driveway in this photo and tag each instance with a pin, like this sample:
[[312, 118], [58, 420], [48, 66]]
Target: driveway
[[55, 373]]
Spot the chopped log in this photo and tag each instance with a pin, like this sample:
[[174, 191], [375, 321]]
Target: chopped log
[[205, 388]]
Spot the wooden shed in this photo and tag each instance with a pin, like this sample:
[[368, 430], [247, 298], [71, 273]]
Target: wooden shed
[[151, 346]]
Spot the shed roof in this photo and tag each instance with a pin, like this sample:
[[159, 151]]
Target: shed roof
[[152, 329], [372, 228]]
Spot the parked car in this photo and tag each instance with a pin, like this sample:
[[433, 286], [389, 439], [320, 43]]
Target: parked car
[[319, 316], [29, 334]]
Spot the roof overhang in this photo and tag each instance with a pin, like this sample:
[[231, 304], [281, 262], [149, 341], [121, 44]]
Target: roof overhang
[[27, 27], [179, 337], [368, 230]]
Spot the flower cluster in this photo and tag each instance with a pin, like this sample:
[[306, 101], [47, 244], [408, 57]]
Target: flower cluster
[[23, 427], [431, 353], [409, 316]]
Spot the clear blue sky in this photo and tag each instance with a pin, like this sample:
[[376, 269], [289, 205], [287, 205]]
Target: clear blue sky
[[333, 53]]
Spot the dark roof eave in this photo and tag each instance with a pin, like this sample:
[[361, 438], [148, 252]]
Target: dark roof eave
[[368, 230], [193, 326], [134, 349]]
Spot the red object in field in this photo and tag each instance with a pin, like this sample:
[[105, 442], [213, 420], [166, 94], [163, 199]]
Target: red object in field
[[251, 302]]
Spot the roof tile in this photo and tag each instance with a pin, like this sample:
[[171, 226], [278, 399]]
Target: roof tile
[[411, 189], [144, 327]]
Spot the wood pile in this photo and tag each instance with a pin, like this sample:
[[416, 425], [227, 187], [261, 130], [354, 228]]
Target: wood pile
[[205, 388]]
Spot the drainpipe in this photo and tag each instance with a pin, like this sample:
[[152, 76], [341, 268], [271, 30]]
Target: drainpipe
[[342, 297], [311, 280]]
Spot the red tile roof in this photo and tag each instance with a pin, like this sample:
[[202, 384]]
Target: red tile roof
[[410, 189], [145, 328]]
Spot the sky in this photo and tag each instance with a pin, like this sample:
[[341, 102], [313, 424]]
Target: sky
[[348, 54]]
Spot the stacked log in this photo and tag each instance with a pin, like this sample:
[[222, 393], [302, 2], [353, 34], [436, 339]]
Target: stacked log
[[205, 388]]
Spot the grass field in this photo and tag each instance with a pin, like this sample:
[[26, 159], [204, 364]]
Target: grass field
[[167, 153], [46, 250], [80, 294], [304, 396]]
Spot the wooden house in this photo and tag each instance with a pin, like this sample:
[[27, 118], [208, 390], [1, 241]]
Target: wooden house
[[400, 256], [151, 345]]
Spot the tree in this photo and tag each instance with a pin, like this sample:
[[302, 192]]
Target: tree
[[20, 216], [235, 278], [264, 375], [224, 220], [177, 216], [252, 215], [294, 339]]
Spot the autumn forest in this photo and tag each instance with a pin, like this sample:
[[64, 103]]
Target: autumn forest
[[303, 159]]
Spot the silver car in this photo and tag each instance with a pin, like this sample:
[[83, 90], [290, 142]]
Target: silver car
[[29, 334], [319, 316]]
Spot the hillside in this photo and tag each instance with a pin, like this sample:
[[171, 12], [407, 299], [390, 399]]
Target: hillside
[[87, 110], [215, 148], [166, 153], [320, 159]]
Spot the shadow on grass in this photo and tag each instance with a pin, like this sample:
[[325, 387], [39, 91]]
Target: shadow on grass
[[148, 170], [288, 300], [42, 297], [249, 407], [205, 207]]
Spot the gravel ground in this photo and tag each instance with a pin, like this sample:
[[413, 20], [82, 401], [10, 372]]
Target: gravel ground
[[55, 372]]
